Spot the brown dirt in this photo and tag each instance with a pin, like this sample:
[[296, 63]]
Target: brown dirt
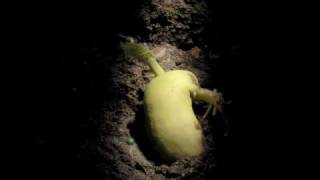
[[124, 118], [179, 22], [94, 101], [174, 31]]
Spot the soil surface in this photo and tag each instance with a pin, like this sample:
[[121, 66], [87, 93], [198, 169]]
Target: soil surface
[[123, 144], [174, 30], [123, 119], [96, 125]]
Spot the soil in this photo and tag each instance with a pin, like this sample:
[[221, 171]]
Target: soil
[[123, 118], [178, 23], [103, 134]]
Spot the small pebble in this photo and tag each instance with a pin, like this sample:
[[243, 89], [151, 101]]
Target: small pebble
[[130, 141]]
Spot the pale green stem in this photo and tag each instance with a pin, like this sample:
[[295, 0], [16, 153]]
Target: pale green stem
[[142, 53], [154, 66]]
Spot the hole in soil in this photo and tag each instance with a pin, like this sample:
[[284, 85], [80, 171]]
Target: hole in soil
[[138, 132], [161, 20], [140, 95], [185, 45]]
